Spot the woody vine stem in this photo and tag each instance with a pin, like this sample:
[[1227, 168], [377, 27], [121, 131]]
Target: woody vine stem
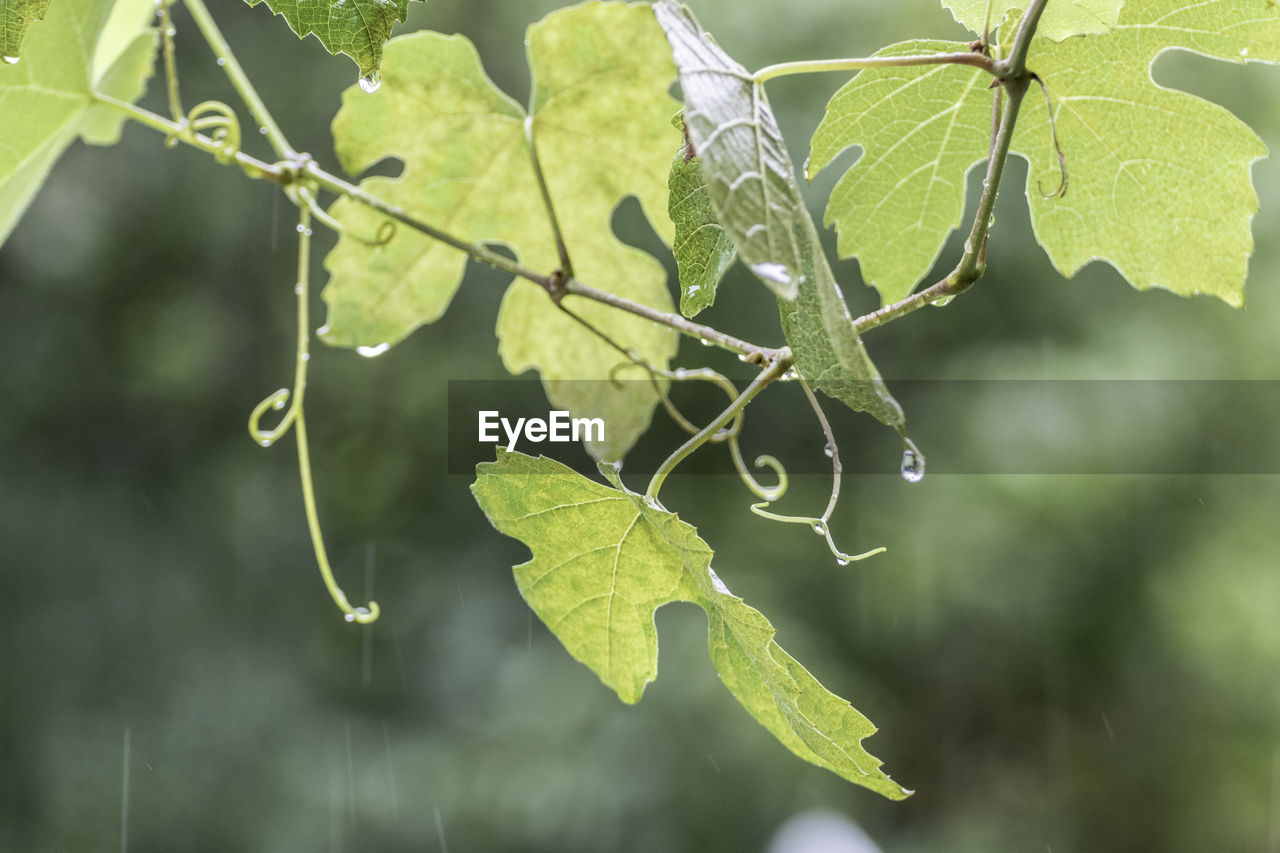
[[212, 127]]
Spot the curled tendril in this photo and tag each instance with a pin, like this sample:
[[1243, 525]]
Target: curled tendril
[[305, 197], [277, 401], [221, 120], [820, 527], [766, 461], [1061, 189], [296, 418]]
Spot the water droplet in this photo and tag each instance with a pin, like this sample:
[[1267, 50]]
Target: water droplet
[[716, 583], [841, 561], [262, 130], [770, 271], [299, 288], [222, 60], [830, 450], [372, 352], [819, 528], [1244, 51], [10, 60], [943, 301], [912, 467], [369, 83], [705, 342], [171, 32], [301, 228], [306, 356], [790, 375], [350, 617], [361, 612], [265, 442]]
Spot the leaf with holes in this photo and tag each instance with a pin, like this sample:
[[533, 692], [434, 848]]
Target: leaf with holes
[[605, 559], [358, 28]]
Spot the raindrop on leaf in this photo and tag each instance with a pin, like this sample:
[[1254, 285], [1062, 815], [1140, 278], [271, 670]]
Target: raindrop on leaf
[[369, 83]]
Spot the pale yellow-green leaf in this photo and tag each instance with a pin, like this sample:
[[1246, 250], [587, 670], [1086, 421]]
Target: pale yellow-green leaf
[[920, 130], [1159, 180], [605, 558], [1061, 18], [599, 121], [80, 47]]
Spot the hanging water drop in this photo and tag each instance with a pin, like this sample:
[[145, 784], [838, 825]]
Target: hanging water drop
[[370, 82], [912, 467], [10, 60], [350, 617], [943, 301], [705, 342], [830, 450], [841, 561], [819, 528], [372, 352]]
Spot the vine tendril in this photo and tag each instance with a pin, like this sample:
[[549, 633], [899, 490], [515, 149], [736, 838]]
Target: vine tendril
[[296, 418], [820, 524], [222, 121]]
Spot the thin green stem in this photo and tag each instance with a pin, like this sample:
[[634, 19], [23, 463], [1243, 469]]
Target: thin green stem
[[783, 69], [562, 249], [296, 417], [775, 369], [972, 263], [1015, 66], [252, 166], [170, 63], [205, 23], [694, 330]]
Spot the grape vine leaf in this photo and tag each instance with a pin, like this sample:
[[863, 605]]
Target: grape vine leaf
[[78, 48], [1060, 20], [358, 28], [15, 17], [599, 121], [920, 129], [751, 182], [1159, 179], [702, 248], [749, 175], [605, 558]]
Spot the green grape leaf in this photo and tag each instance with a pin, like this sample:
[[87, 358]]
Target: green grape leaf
[[736, 137], [702, 248], [358, 28], [15, 17], [79, 48], [1159, 179], [749, 174], [605, 558], [920, 129], [1164, 212], [599, 121], [1060, 20]]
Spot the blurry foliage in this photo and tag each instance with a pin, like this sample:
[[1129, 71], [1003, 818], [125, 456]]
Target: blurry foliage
[[1083, 663]]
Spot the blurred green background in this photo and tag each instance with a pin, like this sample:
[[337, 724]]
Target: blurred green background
[[1056, 663]]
